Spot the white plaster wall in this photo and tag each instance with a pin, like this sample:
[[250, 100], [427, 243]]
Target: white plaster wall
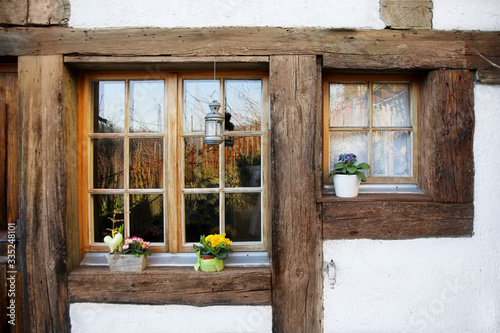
[[110, 318], [428, 285], [466, 15], [363, 14]]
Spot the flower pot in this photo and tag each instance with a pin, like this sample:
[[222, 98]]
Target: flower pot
[[126, 262], [346, 186], [209, 263]]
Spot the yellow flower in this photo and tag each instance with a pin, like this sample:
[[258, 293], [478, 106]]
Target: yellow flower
[[216, 239]]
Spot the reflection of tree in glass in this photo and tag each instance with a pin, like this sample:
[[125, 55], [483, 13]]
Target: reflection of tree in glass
[[146, 163], [201, 164], [146, 216], [104, 207], [108, 169], [244, 102]]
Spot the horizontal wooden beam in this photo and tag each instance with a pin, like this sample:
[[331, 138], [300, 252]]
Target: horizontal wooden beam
[[171, 285], [341, 49], [396, 220]]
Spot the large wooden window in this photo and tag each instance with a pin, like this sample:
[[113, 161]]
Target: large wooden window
[[144, 162], [376, 118]]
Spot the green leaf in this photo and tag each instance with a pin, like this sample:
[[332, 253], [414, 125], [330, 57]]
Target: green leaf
[[351, 169], [363, 166], [339, 165], [361, 176]]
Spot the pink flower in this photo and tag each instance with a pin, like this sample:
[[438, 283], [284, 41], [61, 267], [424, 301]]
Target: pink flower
[[125, 247]]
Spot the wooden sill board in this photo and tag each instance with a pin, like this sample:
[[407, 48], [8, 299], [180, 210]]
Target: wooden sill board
[[171, 285]]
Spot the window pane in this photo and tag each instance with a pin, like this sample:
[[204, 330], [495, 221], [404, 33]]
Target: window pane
[[349, 105], [108, 163], [201, 215], [392, 154], [146, 163], [243, 105], [147, 100], [391, 105], [349, 142], [109, 106], [243, 165], [106, 207], [201, 162], [146, 217], [197, 95], [242, 216]]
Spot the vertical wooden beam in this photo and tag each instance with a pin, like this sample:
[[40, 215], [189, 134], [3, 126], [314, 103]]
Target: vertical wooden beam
[[42, 193], [296, 226], [447, 134]]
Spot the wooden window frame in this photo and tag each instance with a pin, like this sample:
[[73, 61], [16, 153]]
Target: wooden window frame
[[414, 93], [173, 152]]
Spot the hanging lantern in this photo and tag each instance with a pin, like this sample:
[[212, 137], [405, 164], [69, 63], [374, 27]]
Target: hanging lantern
[[213, 125]]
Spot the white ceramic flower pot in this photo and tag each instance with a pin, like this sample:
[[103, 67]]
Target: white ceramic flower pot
[[346, 186]]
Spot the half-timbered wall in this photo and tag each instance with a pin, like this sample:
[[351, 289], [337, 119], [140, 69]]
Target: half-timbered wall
[[391, 273]]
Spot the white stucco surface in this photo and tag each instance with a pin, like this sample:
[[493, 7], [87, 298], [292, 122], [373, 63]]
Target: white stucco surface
[[428, 285], [466, 15], [97, 318], [363, 14]]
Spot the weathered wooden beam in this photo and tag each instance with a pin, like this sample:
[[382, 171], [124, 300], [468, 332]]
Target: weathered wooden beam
[[296, 225], [42, 193], [341, 49], [447, 136], [381, 219], [171, 285]]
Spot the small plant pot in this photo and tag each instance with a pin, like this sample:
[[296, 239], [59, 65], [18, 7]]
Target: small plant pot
[[346, 186], [126, 262], [212, 264]]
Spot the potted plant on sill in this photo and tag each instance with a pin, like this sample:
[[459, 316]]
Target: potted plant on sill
[[129, 255], [212, 251], [347, 177]]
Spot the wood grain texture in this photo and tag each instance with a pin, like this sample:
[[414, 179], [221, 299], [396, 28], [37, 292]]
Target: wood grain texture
[[42, 194], [396, 220], [341, 49], [171, 285], [447, 136], [296, 225]]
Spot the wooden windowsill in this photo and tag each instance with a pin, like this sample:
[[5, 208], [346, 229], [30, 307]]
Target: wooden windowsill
[[378, 197], [171, 285], [394, 216]]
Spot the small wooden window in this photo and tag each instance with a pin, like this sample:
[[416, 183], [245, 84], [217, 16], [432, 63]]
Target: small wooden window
[[376, 118], [143, 161]]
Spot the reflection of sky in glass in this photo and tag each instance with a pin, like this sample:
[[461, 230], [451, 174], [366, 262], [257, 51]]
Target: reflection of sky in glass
[[147, 106], [197, 95], [244, 103], [110, 117]]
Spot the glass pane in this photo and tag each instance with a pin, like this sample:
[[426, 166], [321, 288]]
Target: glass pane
[[201, 162], [147, 100], [146, 163], [349, 142], [391, 106], [108, 163], [201, 215], [243, 105], [109, 106], [197, 95], [243, 165], [349, 105], [242, 216], [392, 154], [146, 217], [106, 208]]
